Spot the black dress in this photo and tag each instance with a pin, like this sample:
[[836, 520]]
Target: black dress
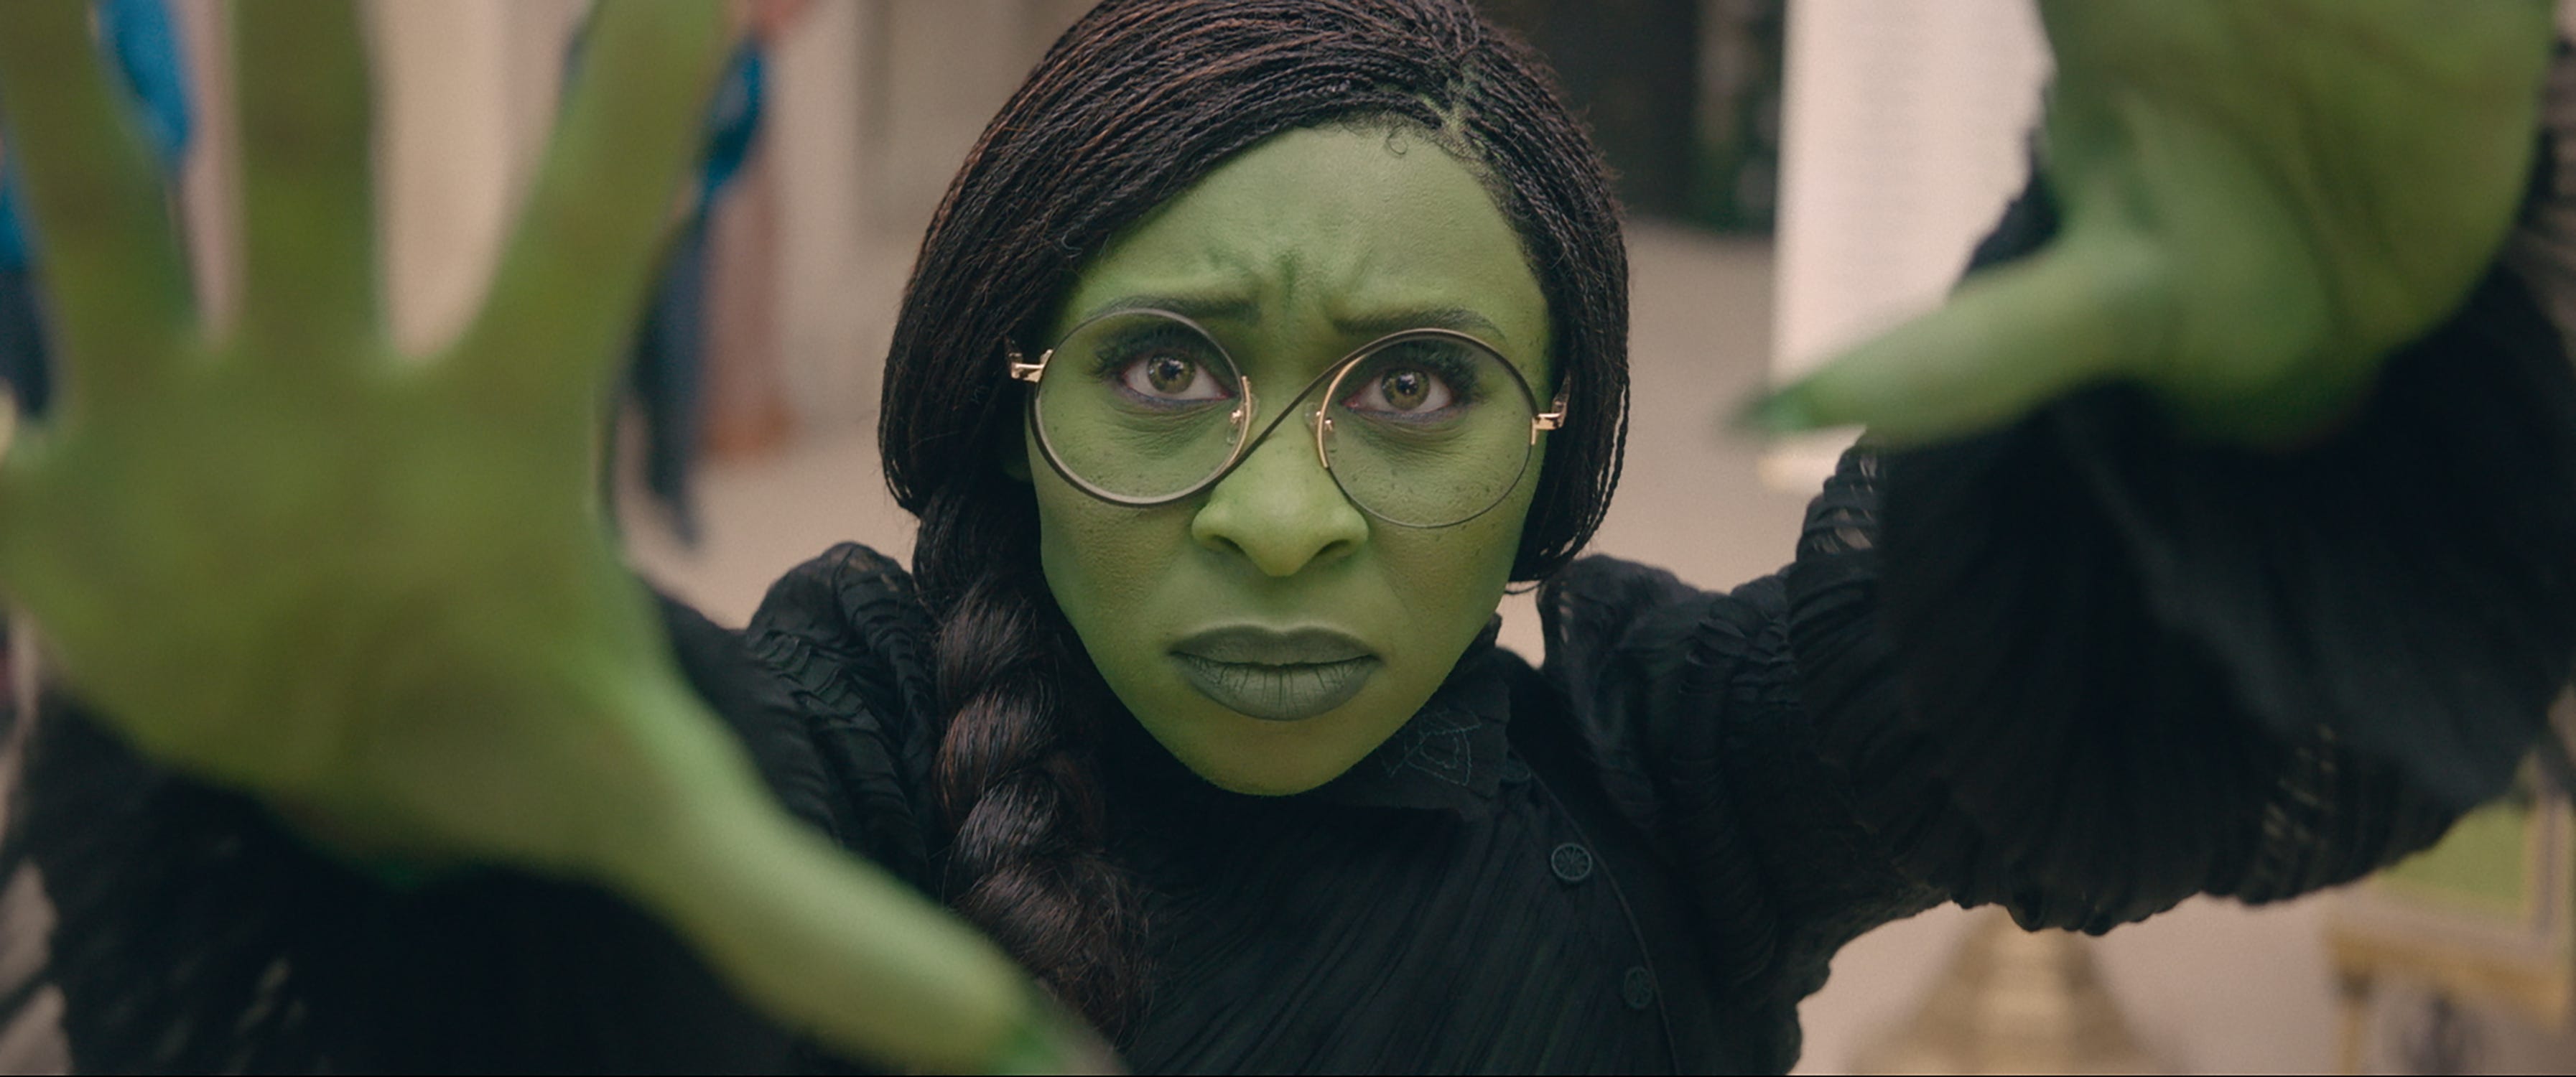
[[2077, 667]]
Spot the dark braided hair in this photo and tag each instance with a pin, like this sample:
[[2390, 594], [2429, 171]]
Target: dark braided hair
[[1131, 106]]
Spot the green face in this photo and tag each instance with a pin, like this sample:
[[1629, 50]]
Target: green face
[[1267, 631]]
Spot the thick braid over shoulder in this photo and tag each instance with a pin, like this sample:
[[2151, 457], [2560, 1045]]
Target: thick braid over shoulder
[[1020, 793]]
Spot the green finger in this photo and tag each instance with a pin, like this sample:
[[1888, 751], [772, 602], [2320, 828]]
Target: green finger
[[830, 945], [2008, 340], [112, 265], [573, 277], [308, 215]]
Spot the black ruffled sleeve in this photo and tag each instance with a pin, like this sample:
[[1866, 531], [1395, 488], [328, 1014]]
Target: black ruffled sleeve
[[193, 932], [2085, 669]]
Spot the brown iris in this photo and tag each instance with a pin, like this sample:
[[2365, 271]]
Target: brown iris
[[1170, 374], [1405, 390]]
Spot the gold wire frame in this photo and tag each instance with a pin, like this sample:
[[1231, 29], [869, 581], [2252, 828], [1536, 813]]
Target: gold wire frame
[[1320, 420]]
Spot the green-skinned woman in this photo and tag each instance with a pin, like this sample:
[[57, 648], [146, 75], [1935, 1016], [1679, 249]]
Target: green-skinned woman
[[2218, 537]]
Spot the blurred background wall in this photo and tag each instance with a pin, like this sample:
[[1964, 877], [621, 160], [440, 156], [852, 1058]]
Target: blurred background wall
[[1798, 175]]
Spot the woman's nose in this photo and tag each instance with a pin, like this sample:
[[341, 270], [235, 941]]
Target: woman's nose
[[1281, 510]]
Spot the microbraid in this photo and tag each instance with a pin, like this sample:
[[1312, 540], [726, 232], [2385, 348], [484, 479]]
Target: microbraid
[[1136, 102]]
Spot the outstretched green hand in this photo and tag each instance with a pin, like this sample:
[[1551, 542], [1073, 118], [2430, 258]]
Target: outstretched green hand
[[2260, 202], [378, 591]]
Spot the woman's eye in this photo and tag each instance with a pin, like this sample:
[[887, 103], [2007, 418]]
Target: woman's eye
[[1402, 390], [1166, 376]]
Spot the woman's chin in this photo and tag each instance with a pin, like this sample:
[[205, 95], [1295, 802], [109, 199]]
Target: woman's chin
[[1258, 757]]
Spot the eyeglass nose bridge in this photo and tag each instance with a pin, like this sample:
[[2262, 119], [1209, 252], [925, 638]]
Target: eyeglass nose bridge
[[1318, 420]]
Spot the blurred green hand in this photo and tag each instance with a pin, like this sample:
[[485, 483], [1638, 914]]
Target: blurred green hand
[[378, 592], [2261, 200]]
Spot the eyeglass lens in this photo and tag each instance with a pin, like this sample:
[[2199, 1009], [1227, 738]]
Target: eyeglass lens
[[1429, 430], [1140, 405], [1425, 430]]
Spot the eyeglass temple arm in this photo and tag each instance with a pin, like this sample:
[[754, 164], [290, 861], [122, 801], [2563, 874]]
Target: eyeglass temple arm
[[1029, 372]]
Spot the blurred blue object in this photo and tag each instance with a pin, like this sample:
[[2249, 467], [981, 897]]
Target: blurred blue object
[[668, 366], [138, 36]]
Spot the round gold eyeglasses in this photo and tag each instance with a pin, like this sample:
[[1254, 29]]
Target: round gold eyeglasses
[[1420, 428]]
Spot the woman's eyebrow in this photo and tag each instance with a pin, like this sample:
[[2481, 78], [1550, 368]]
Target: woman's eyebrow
[[1457, 319], [1246, 310], [1202, 308]]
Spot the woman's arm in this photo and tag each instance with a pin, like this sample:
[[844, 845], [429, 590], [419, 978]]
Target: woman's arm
[[2084, 668], [376, 592], [2146, 641], [2236, 670], [192, 931], [2109, 653]]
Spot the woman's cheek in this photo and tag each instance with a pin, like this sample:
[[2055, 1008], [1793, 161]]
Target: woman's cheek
[[1101, 557]]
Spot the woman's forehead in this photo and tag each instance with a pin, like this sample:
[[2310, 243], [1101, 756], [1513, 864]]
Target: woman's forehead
[[1340, 233]]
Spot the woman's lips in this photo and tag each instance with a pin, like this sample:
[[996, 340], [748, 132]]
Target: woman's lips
[[1272, 674]]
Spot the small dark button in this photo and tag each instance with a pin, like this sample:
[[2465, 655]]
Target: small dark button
[[1638, 989], [1515, 771], [1571, 862]]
